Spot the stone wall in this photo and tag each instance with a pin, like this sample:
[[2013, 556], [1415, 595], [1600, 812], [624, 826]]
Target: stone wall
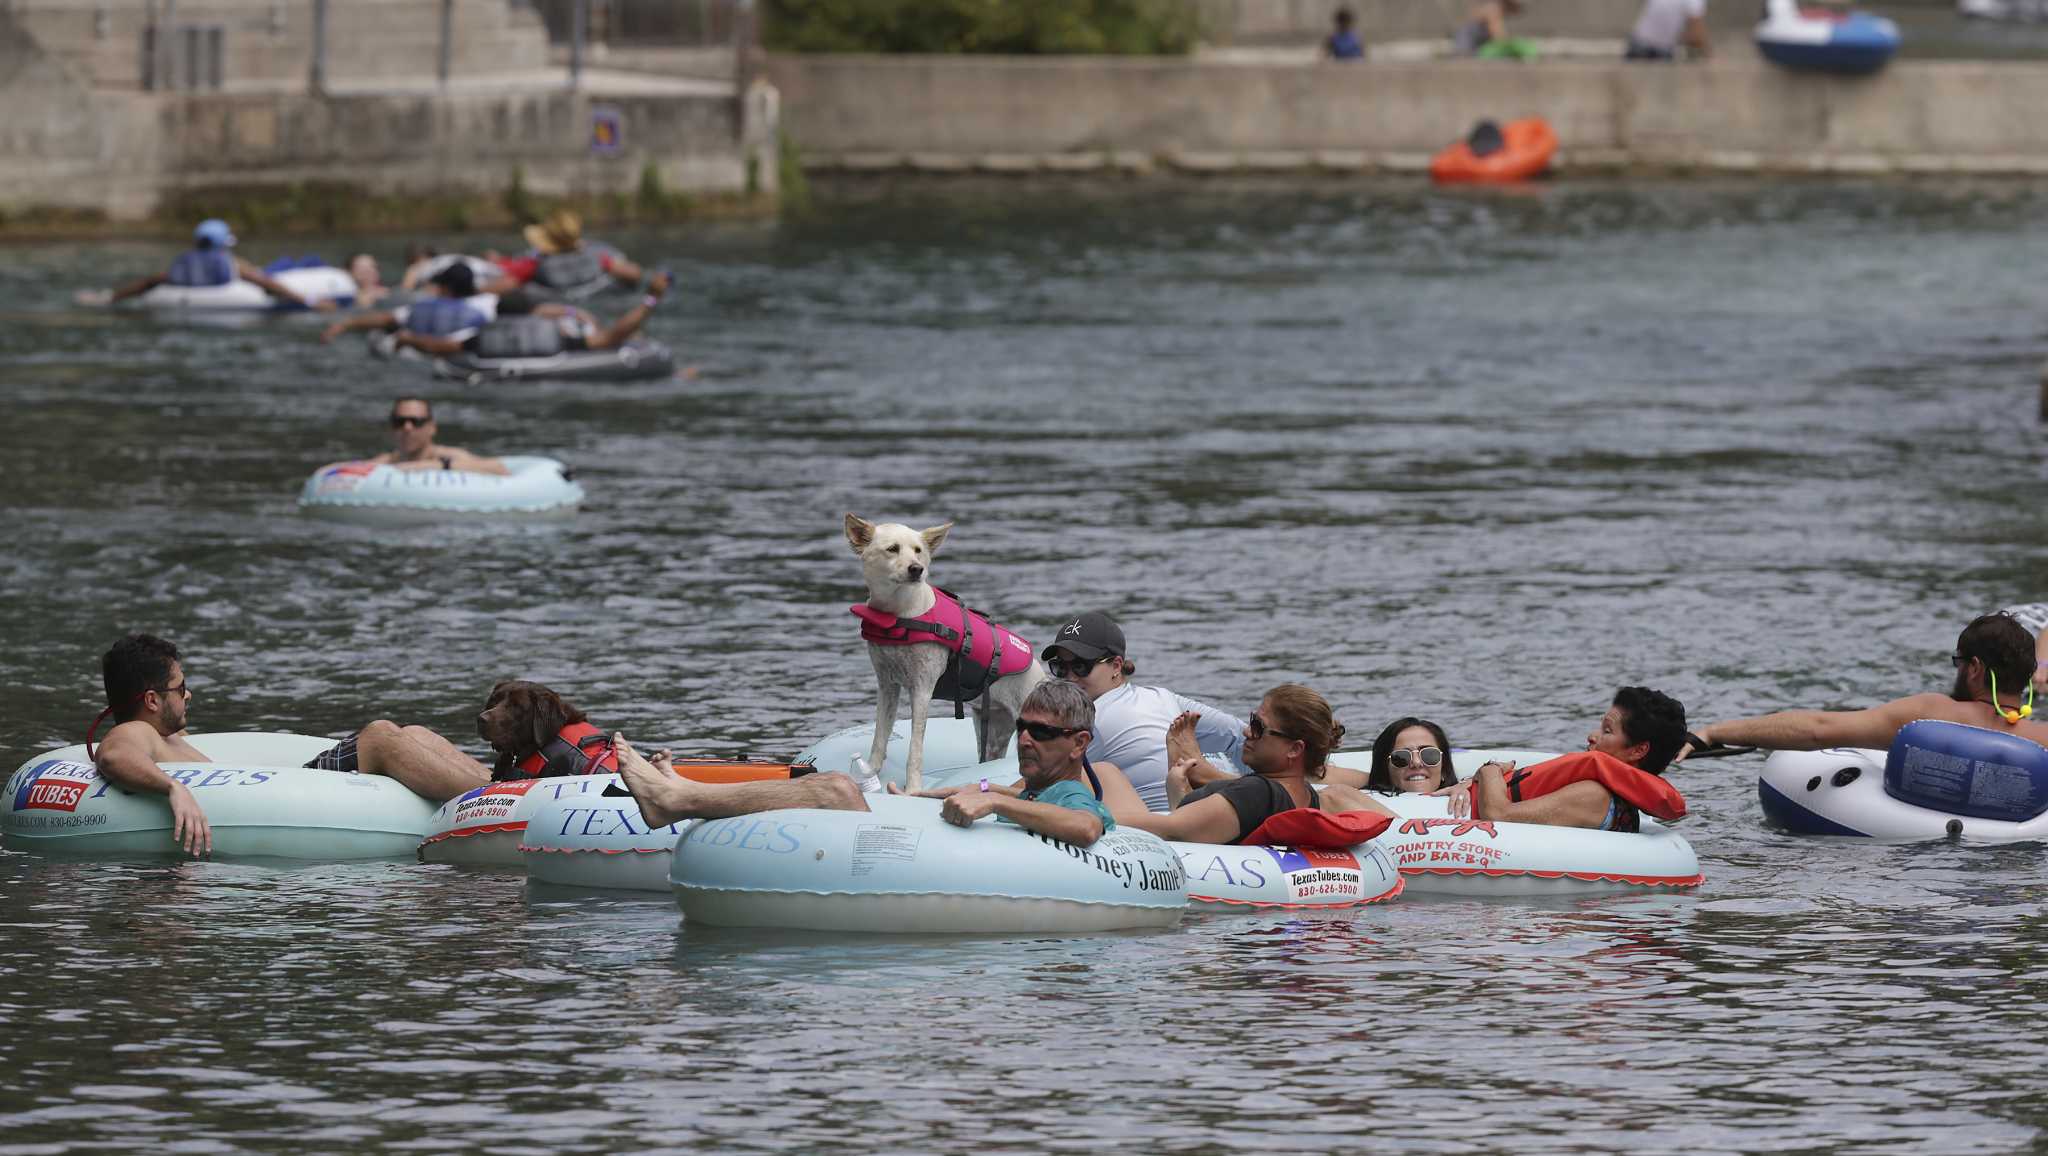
[[1024, 113]]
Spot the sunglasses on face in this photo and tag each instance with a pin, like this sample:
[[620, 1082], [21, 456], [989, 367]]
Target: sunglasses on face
[[1257, 728], [1044, 732], [1073, 667], [184, 688], [1400, 759], [402, 420]]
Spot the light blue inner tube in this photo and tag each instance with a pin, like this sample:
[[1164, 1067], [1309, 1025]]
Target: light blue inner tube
[[259, 799], [898, 867], [383, 494]]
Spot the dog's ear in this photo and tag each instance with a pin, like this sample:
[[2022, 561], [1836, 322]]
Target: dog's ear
[[548, 716], [859, 532], [934, 536]]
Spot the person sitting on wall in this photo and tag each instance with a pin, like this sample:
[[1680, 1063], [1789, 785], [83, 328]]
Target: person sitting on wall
[[211, 261], [1488, 25], [1343, 42], [454, 313], [1666, 25]]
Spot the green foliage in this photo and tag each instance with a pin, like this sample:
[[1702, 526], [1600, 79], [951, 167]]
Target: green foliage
[[794, 187], [518, 201], [1022, 27]]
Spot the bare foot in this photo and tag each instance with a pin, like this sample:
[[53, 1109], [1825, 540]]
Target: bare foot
[[1181, 743], [661, 793]]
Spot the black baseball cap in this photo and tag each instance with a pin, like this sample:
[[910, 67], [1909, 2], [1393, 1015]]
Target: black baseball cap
[[1090, 636], [457, 280]]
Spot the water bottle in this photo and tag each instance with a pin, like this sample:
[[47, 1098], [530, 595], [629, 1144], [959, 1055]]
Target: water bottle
[[870, 782]]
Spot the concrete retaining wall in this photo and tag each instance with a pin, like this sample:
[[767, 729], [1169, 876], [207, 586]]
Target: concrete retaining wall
[[1003, 114]]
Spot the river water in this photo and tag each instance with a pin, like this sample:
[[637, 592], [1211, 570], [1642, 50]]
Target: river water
[[1479, 458]]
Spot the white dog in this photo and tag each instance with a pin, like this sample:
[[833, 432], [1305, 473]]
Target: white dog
[[923, 640]]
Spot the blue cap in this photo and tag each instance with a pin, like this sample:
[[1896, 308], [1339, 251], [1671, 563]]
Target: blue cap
[[214, 231]]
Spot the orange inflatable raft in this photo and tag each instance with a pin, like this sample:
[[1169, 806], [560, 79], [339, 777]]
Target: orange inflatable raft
[[1496, 154]]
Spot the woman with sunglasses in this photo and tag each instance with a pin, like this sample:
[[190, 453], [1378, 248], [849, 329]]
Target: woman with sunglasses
[[1286, 742], [1411, 756], [1131, 721]]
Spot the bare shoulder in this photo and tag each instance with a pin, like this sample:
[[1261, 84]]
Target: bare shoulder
[[132, 739]]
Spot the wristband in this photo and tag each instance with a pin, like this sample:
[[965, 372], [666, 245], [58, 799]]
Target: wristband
[[649, 301], [984, 786]]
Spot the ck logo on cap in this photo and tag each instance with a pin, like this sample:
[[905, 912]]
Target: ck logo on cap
[[1073, 627]]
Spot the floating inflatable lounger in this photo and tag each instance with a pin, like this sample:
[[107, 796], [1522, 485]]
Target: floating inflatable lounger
[[323, 283], [1940, 780], [385, 495], [900, 868], [633, 361], [259, 799], [1440, 854], [598, 841], [1517, 151]]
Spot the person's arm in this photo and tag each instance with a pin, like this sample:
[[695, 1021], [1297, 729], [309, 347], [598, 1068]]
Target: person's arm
[[137, 288], [425, 343], [124, 760], [1218, 732], [1812, 730], [474, 463], [1067, 824], [622, 268], [359, 321], [2041, 663], [272, 286], [1576, 805], [1338, 776], [1210, 820], [1338, 797]]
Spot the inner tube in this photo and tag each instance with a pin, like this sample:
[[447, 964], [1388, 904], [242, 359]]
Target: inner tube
[[383, 495], [598, 840], [1524, 150], [260, 800], [318, 284], [1248, 876], [1443, 855], [951, 752], [1939, 780], [1818, 40], [633, 361], [899, 868], [483, 827]]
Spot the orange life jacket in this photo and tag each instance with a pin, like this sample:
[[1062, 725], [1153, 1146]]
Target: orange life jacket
[[1316, 828], [578, 749], [1639, 788]]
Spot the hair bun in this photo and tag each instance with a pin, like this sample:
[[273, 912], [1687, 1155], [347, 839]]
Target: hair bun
[[1336, 732]]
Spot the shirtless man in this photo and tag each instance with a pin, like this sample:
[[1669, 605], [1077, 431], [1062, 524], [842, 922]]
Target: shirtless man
[[412, 436], [148, 696], [1994, 661]]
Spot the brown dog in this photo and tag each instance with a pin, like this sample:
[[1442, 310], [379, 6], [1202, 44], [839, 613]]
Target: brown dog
[[524, 719]]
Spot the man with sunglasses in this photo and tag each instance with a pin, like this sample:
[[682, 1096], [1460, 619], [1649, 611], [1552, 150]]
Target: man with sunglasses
[[1131, 721], [148, 696], [413, 448], [1994, 660]]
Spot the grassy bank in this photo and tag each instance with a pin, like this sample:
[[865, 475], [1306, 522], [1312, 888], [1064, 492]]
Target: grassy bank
[[326, 207]]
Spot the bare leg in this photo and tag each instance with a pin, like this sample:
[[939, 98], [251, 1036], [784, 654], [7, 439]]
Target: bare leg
[[885, 717], [920, 710], [429, 765], [666, 797]]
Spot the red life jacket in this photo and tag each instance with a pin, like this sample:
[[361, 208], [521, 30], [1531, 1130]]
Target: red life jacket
[[578, 749], [1638, 788], [1316, 828], [982, 652]]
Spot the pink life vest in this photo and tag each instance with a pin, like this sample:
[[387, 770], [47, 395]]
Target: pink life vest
[[982, 651]]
